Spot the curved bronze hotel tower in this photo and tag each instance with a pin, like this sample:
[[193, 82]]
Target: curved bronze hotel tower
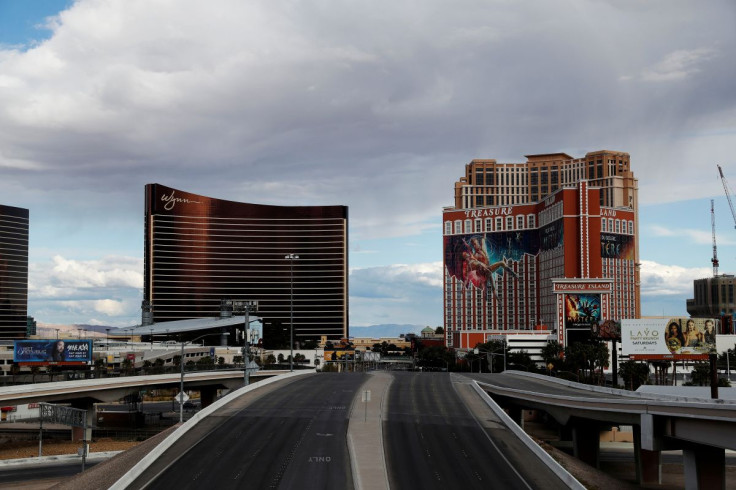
[[201, 250]]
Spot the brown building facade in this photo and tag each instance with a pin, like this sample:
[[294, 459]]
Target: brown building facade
[[201, 250]]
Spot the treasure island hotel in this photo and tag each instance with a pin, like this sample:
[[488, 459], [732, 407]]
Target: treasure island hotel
[[548, 246], [13, 272], [200, 251]]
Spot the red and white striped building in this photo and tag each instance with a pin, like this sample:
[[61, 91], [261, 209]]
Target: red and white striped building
[[546, 246]]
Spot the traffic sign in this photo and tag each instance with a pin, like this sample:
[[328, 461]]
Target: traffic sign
[[181, 397]]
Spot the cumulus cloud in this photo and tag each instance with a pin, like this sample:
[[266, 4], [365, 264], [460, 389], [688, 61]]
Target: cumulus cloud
[[398, 293], [702, 237], [391, 282], [678, 65], [109, 272], [376, 106], [669, 280], [77, 291]]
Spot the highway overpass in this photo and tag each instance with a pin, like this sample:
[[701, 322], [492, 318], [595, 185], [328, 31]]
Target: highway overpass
[[113, 389], [701, 428], [398, 430]]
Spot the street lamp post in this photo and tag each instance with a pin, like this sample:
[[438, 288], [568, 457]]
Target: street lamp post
[[181, 384], [291, 258], [246, 347], [493, 353]]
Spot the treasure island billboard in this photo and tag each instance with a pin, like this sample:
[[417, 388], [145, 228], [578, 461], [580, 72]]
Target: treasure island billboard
[[673, 338]]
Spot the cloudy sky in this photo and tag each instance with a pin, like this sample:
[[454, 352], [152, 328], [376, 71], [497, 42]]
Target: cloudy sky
[[374, 105]]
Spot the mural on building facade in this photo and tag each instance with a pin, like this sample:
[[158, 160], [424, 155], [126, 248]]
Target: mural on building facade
[[478, 259]]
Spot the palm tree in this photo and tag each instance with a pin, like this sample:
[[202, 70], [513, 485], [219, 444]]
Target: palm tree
[[126, 365]]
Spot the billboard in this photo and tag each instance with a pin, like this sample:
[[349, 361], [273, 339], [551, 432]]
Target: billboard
[[673, 338], [617, 246], [59, 351], [582, 310], [610, 330]]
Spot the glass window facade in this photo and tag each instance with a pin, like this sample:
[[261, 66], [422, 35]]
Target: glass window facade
[[200, 250], [13, 272]]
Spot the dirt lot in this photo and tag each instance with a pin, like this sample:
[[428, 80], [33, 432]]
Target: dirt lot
[[29, 449]]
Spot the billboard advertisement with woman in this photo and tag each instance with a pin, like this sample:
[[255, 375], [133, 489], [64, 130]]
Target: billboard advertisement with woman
[[673, 338]]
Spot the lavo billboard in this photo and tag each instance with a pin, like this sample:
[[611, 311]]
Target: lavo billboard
[[673, 338]]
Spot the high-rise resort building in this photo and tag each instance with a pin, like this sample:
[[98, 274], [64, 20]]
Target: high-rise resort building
[[13, 272], [292, 260], [714, 298], [545, 246]]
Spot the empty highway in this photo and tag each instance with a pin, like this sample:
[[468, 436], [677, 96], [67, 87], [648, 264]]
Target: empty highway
[[293, 437], [437, 432], [432, 440]]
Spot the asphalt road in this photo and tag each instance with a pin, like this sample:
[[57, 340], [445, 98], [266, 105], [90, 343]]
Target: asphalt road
[[432, 441], [34, 472], [290, 438]]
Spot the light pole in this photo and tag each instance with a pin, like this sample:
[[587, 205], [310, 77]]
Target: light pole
[[246, 347], [492, 353], [291, 258]]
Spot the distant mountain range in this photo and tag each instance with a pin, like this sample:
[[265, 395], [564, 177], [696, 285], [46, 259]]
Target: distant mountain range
[[49, 330], [372, 331], [388, 330]]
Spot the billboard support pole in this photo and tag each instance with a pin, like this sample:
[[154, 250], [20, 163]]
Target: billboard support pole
[[615, 363], [674, 373], [713, 375], [84, 442], [40, 437]]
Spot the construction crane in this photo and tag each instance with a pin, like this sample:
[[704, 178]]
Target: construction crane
[[714, 260], [728, 194]]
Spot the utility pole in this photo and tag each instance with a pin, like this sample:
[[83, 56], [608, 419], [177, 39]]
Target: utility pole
[[714, 260]]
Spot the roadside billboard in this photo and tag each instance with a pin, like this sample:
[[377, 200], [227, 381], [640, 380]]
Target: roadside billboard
[[670, 339], [59, 351], [582, 310]]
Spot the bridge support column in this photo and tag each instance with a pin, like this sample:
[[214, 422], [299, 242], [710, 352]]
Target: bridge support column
[[586, 438], [647, 461], [207, 395], [516, 414], [705, 467]]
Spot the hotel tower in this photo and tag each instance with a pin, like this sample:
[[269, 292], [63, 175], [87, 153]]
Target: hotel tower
[[549, 246]]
